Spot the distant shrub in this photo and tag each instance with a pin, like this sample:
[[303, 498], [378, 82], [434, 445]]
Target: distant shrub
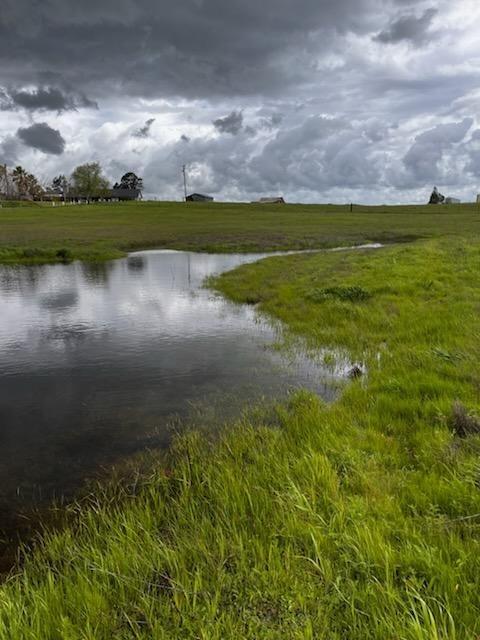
[[345, 294], [356, 372], [64, 254], [32, 253], [463, 422]]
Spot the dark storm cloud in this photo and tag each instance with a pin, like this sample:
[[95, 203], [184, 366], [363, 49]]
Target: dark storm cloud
[[50, 99], [43, 99], [43, 138], [334, 95], [190, 47], [410, 28], [233, 123], [144, 131]]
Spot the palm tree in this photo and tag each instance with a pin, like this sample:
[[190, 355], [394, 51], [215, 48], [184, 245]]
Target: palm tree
[[20, 179]]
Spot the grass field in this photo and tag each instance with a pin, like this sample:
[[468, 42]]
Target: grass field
[[43, 233], [355, 520]]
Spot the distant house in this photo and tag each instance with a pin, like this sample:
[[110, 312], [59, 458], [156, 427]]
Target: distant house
[[109, 195], [124, 194], [272, 200], [450, 200], [199, 197], [50, 196]]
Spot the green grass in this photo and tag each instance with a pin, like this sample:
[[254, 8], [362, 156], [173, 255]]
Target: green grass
[[355, 520], [36, 233]]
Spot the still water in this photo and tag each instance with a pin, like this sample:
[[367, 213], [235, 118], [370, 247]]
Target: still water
[[96, 361]]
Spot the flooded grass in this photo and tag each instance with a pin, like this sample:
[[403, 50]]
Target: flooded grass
[[357, 519]]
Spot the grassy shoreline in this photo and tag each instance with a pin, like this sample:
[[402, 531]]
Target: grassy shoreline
[[352, 520], [45, 234]]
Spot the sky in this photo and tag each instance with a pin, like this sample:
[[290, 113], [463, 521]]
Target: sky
[[370, 101]]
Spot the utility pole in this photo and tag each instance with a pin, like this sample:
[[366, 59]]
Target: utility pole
[[184, 171]]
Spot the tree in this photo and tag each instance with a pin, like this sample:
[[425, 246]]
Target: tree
[[88, 181], [130, 181], [34, 188], [436, 197], [26, 183], [19, 176], [60, 185]]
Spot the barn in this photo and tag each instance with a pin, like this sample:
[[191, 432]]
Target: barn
[[199, 197], [272, 200], [124, 194]]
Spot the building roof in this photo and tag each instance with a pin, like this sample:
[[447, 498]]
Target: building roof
[[272, 200], [198, 197], [125, 194]]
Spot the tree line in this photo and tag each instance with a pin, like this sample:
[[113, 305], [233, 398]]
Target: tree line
[[86, 181]]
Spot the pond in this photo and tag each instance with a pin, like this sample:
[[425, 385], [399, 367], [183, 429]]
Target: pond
[[97, 361]]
